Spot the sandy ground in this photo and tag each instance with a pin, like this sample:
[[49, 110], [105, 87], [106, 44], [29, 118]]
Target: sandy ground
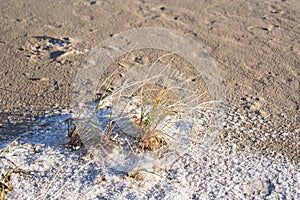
[[255, 46]]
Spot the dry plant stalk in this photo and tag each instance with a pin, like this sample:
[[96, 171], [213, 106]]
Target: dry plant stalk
[[5, 185]]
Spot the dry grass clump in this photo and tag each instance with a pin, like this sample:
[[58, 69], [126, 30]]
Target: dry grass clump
[[153, 142], [137, 118]]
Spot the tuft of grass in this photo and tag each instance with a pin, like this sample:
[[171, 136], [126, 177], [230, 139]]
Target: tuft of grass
[[136, 117]]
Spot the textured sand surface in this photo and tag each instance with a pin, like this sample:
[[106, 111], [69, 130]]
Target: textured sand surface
[[254, 44], [223, 168]]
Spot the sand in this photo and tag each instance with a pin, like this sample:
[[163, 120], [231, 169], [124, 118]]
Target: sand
[[254, 45]]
